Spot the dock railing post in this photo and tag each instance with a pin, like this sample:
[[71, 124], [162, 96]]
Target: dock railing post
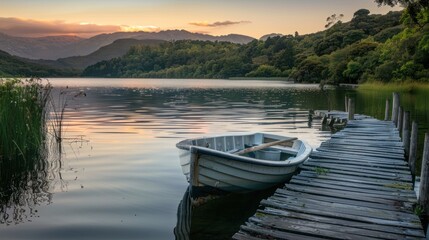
[[395, 106], [413, 149], [351, 108], [386, 111], [406, 133], [346, 104], [399, 120], [424, 178]]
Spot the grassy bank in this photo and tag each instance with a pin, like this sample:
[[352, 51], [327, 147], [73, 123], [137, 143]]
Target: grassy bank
[[23, 112], [395, 86]]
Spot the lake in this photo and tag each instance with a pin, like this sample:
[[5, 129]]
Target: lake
[[118, 174]]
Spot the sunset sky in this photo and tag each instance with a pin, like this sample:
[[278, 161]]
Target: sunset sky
[[255, 18]]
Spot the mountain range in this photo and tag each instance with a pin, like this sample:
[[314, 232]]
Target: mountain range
[[114, 50], [56, 47]]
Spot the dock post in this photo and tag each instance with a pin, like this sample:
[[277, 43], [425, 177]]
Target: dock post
[[406, 132], [351, 108], [399, 120], [324, 120], [424, 178], [386, 112], [194, 169], [413, 149], [346, 104], [395, 106]]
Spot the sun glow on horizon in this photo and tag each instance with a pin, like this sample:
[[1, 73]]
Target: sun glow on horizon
[[139, 28]]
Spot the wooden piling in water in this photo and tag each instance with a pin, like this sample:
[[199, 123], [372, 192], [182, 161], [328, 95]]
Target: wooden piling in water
[[395, 108], [351, 108], [386, 111], [413, 149], [424, 177], [399, 120], [406, 132], [346, 104]]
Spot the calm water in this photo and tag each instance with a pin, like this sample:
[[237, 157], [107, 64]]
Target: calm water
[[119, 177]]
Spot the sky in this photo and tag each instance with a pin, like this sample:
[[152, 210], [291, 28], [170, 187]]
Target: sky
[[255, 18]]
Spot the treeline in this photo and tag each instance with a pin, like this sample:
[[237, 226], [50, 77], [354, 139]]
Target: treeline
[[11, 66], [369, 47]]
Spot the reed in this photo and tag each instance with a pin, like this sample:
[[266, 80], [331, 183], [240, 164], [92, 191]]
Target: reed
[[407, 86], [23, 117]]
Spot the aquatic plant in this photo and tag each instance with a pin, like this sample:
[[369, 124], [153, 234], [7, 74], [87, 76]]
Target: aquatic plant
[[23, 116], [23, 149], [321, 171]]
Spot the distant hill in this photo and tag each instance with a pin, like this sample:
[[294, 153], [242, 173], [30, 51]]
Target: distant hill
[[116, 49], [11, 66], [52, 48], [35, 48]]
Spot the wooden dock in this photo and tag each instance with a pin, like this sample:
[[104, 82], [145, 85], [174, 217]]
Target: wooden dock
[[357, 185]]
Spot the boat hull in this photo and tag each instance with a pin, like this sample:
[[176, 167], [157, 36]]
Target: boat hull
[[205, 167]]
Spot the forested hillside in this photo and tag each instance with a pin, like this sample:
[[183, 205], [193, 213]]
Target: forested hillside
[[380, 47], [11, 66]]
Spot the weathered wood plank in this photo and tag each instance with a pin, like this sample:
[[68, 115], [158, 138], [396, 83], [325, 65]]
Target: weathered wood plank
[[275, 234], [288, 193], [394, 145], [345, 208], [353, 157], [385, 188], [394, 177], [244, 236], [304, 227], [360, 162], [367, 148], [278, 222], [342, 194], [365, 180], [307, 210], [362, 153], [395, 231], [346, 166]]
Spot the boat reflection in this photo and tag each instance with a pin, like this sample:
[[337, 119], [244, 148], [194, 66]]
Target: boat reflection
[[218, 218]]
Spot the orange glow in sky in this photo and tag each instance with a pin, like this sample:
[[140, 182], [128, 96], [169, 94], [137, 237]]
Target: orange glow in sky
[[249, 17]]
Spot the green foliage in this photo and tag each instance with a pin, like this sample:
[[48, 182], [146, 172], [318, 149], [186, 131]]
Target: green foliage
[[368, 48], [321, 171], [11, 66], [23, 105]]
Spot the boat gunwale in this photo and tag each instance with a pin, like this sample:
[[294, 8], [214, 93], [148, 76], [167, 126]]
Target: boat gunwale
[[187, 145], [229, 156]]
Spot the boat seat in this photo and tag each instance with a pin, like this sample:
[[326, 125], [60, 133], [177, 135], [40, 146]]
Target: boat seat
[[232, 151], [286, 149]]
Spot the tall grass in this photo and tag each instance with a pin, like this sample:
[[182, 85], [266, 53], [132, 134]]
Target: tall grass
[[408, 86], [23, 115]]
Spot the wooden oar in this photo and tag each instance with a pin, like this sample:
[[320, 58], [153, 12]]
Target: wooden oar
[[262, 146]]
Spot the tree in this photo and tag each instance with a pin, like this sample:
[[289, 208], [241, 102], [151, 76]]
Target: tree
[[353, 72], [333, 19], [414, 7], [361, 13]]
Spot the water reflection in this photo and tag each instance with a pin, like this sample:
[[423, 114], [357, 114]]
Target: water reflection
[[126, 182], [207, 221], [24, 185]]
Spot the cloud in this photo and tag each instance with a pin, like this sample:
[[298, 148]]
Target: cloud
[[36, 28], [139, 28], [218, 24]]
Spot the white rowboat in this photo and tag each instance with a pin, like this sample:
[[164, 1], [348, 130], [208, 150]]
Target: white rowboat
[[241, 163]]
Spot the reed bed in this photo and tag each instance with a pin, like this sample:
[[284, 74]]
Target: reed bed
[[407, 86], [23, 117]]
